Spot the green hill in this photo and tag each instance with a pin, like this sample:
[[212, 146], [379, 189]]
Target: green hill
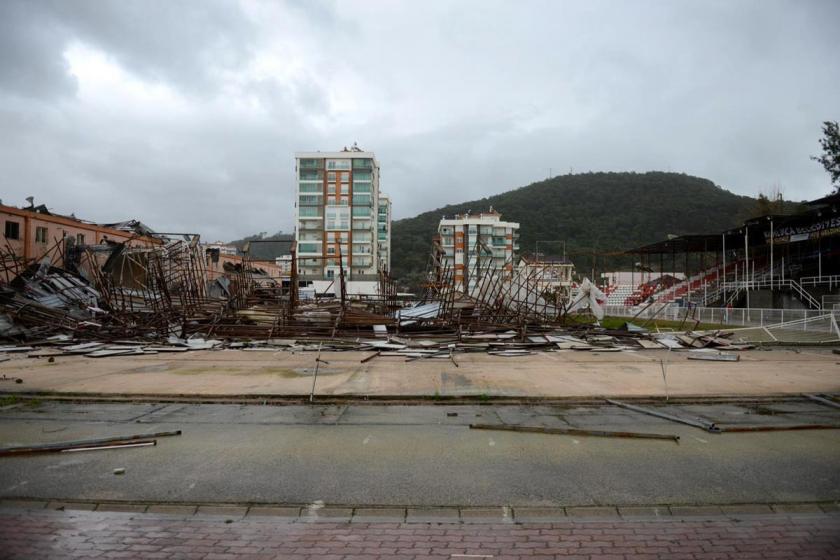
[[600, 211]]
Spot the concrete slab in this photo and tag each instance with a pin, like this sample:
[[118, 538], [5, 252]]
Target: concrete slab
[[432, 515], [487, 515], [172, 509], [644, 511], [538, 514], [124, 508], [746, 509], [274, 511], [80, 506], [574, 374], [374, 515], [690, 511], [327, 514], [228, 511], [592, 511], [797, 508], [25, 504]]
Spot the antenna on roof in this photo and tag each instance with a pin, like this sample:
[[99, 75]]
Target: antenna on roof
[[31, 201]]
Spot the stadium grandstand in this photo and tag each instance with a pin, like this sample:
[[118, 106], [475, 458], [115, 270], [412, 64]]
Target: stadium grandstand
[[769, 262]]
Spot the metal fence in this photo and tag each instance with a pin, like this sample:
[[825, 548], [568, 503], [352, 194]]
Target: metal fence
[[732, 317]]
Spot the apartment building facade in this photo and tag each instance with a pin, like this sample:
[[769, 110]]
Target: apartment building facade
[[337, 215], [473, 245], [383, 231]]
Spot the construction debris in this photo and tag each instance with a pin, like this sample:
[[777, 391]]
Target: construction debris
[[710, 427], [573, 431], [712, 356], [83, 445], [823, 400], [117, 300]]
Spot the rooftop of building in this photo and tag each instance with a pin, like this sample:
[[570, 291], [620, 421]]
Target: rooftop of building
[[353, 151], [42, 212], [490, 216]]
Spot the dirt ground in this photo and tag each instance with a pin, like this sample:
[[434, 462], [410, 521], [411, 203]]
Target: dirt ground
[[545, 374]]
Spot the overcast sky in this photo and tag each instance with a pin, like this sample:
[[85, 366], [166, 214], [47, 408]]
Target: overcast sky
[[186, 114]]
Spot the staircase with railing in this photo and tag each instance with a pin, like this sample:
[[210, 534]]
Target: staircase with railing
[[735, 289]]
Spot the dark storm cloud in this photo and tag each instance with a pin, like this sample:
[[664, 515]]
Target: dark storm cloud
[[30, 52], [186, 114]]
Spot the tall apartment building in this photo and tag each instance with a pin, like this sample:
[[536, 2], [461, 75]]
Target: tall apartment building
[[383, 231], [337, 215], [474, 244]]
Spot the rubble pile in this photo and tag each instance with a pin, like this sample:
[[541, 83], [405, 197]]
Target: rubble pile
[[117, 300]]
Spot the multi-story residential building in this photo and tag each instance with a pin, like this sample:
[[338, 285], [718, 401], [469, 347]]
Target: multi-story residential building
[[337, 215], [477, 244], [383, 231]]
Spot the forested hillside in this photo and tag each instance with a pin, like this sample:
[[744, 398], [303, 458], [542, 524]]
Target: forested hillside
[[600, 211]]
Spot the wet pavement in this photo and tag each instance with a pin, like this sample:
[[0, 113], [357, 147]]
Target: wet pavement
[[57, 535], [423, 455]]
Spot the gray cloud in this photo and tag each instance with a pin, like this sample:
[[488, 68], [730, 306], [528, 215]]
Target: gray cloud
[[186, 114]]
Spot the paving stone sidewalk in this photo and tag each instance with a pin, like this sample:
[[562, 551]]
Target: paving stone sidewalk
[[26, 534]]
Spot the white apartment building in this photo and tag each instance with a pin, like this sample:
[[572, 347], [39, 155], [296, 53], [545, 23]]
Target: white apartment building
[[337, 215], [383, 231], [474, 244]]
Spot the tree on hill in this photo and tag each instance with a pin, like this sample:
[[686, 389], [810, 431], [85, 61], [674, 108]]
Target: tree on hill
[[830, 158], [592, 212]]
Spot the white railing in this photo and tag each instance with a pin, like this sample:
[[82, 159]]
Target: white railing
[[771, 284], [831, 281], [738, 316]]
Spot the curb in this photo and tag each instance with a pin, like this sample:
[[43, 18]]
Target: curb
[[374, 400], [315, 513]]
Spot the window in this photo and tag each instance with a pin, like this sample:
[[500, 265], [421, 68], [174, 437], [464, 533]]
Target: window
[[361, 199], [338, 164], [309, 200], [311, 175], [361, 187], [309, 212], [40, 235], [331, 176], [80, 239], [331, 250], [361, 176], [362, 211], [338, 218], [310, 187], [311, 164], [12, 230], [345, 188], [362, 163], [309, 247]]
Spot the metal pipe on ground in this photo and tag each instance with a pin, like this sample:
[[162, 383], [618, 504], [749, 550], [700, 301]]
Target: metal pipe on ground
[[823, 400], [573, 431], [696, 422], [60, 446]]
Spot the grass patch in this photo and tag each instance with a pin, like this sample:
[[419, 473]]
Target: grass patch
[[615, 323]]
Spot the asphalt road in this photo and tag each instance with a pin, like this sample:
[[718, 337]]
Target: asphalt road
[[421, 455]]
